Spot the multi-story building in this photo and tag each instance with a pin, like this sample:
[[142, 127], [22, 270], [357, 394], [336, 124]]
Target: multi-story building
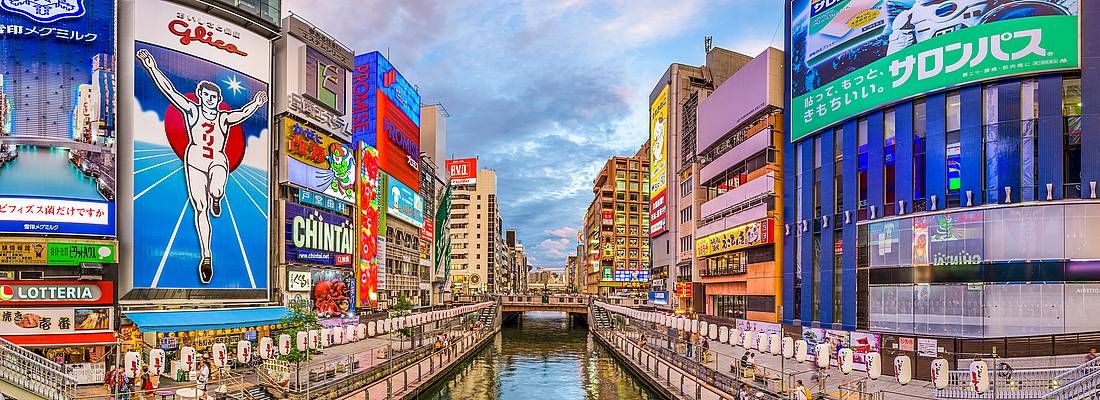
[[433, 178], [475, 236], [674, 184], [517, 272], [617, 245], [956, 199], [739, 140]]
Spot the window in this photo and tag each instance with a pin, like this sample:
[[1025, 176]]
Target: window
[[686, 243], [685, 187], [953, 115], [817, 176], [920, 119], [889, 142], [838, 169], [1071, 161], [685, 214], [861, 131]]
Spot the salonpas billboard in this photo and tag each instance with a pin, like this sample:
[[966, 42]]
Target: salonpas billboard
[[851, 56]]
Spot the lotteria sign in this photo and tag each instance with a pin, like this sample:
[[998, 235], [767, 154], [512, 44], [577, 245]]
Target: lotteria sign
[[318, 237], [56, 292]]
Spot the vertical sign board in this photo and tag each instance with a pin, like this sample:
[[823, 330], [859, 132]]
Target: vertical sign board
[[201, 143], [318, 162], [386, 115], [658, 162], [848, 57], [57, 117], [367, 267]]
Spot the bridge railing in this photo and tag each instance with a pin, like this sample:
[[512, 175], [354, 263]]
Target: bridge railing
[[34, 373]]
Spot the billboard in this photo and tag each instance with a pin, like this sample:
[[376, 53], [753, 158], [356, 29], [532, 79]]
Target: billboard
[[317, 81], [201, 144], [739, 237], [57, 117], [26, 293], [658, 163], [318, 162], [386, 116], [56, 252], [55, 320], [318, 237], [332, 291], [851, 56], [463, 171], [404, 203], [369, 219]]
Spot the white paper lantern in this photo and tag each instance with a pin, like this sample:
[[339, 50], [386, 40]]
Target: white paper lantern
[[736, 337], [694, 326], [703, 328], [361, 331], [762, 342], [187, 357], [156, 361], [314, 339], [371, 329], [748, 340], [349, 333], [824, 351], [775, 344], [846, 361], [337, 335], [219, 354], [303, 341], [800, 350], [284, 344], [712, 331], [244, 352], [723, 334], [133, 364], [939, 373], [903, 369], [874, 365], [326, 337], [979, 376], [267, 348], [788, 347]]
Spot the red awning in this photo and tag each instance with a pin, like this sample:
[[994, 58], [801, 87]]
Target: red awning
[[67, 339]]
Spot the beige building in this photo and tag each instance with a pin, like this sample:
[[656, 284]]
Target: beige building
[[476, 242], [616, 238], [673, 268]]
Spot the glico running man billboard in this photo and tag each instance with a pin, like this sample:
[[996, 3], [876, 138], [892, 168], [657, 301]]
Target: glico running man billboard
[[851, 56], [386, 116], [57, 117], [318, 162], [658, 161], [200, 140]]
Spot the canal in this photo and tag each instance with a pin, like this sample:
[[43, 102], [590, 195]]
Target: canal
[[541, 357]]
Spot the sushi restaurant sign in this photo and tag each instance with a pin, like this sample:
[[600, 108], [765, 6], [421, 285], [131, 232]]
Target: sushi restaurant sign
[[42, 292]]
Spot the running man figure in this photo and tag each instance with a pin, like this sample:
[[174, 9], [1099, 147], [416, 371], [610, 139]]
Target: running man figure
[[207, 166]]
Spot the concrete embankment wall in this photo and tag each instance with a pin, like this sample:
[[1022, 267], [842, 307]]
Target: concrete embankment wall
[[669, 380]]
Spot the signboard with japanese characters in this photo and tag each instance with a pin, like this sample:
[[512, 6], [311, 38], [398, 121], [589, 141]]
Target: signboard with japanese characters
[[736, 238], [298, 281], [852, 56], [318, 162], [57, 151], [49, 321], [61, 252]]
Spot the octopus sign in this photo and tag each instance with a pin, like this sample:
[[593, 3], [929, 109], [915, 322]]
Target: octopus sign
[[331, 294]]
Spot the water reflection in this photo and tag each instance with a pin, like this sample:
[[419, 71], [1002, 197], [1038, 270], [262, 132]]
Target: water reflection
[[542, 357]]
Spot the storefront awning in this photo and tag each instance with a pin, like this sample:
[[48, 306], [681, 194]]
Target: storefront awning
[[197, 320], [67, 339]]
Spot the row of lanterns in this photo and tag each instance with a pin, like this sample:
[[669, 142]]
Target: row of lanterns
[[308, 340], [798, 349]]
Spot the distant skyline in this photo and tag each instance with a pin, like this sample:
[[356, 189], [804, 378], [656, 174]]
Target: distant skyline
[[544, 92]]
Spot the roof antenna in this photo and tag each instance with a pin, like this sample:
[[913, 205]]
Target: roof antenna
[[708, 43]]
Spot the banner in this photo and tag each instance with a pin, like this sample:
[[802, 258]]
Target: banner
[[404, 203], [61, 252], [736, 238], [851, 56], [318, 162], [318, 237], [201, 150], [443, 238], [57, 151], [55, 320], [658, 163]]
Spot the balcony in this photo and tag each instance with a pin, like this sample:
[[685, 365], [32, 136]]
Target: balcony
[[724, 271], [763, 185]]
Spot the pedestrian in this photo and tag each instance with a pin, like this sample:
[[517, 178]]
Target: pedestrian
[[706, 350], [801, 392], [744, 393], [110, 380], [204, 376], [1091, 355], [124, 387], [146, 383]]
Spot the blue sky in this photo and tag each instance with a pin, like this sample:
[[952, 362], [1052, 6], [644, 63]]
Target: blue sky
[[544, 91]]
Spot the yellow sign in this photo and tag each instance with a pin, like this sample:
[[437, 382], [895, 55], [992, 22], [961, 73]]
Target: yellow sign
[[740, 237], [658, 161], [20, 252]]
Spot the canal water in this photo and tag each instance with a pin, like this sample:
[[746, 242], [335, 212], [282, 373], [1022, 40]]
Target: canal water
[[541, 357]]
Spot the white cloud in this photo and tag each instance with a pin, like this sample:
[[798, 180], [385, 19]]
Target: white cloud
[[565, 232]]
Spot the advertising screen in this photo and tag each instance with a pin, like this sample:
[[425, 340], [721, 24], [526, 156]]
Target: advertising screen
[[658, 163], [331, 293], [318, 162], [386, 115], [57, 117], [369, 221], [404, 203], [463, 171], [851, 56], [201, 145], [318, 237]]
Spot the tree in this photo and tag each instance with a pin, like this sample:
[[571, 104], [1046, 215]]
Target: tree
[[402, 308], [300, 319]]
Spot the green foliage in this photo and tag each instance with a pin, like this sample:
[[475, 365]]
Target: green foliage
[[402, 308], [300, 319]]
